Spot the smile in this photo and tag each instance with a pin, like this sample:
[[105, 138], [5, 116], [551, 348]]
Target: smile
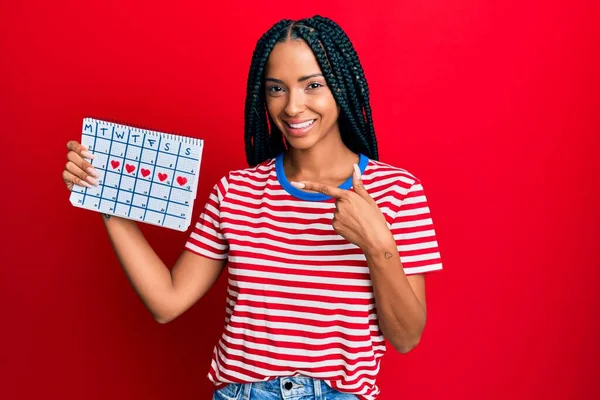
[[301, 125]]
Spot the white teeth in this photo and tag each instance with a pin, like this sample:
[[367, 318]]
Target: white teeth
[[302, 125]]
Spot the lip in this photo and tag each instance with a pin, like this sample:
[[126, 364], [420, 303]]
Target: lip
[[301, 131]]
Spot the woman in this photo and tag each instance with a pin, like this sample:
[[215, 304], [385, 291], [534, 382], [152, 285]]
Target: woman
[[326, 246]]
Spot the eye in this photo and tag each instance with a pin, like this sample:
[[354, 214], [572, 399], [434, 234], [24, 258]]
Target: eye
[[314, 85], [275, 91]]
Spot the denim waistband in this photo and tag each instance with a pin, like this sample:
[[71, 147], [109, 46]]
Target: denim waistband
[[291, 387]]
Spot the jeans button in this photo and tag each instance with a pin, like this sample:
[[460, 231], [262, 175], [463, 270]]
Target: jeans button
[[288, 385]]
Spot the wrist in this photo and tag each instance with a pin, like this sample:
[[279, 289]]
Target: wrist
[[381, 247]]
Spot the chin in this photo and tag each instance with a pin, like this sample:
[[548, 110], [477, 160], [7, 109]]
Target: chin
[[301, 143]]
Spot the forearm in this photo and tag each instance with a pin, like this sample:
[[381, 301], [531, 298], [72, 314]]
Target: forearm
[[148, 275], [400, 314]]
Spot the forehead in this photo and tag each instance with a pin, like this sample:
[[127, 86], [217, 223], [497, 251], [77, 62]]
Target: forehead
[[291, 59]]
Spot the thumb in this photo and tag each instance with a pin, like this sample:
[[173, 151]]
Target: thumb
[[357, 183]]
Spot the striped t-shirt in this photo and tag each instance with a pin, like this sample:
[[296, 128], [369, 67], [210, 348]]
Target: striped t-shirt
[[299, 297]]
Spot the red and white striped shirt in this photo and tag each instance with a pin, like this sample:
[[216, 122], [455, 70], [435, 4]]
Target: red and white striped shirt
[[299, 298]]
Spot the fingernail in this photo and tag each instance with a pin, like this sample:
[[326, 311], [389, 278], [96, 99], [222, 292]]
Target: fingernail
[[84, 183], [356, 171], [298, 185], [87, 154], [92, 180], [92, 171]]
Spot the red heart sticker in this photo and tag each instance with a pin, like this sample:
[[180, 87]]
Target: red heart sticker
[[145, 172], [182, 180], [115, 164], [161, 176], [130, 168]]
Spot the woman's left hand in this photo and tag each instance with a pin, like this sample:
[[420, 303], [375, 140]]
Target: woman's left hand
[[357, 217]]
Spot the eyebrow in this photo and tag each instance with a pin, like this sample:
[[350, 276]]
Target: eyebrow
[[301, 79]]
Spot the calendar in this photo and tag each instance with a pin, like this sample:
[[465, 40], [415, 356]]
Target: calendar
[[144, 175]]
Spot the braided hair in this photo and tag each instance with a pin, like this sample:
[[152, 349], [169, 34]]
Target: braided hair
[[342, 71]]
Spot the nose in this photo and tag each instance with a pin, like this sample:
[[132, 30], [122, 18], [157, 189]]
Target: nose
[[296, 103]]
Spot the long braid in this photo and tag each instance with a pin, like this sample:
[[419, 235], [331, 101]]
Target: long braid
[[356, 75], [343, 73], [354, 62]]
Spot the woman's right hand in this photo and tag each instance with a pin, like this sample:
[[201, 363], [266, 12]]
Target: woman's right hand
[[77, 170]]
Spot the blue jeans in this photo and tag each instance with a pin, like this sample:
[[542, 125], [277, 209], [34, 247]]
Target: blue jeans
[[282, 388]]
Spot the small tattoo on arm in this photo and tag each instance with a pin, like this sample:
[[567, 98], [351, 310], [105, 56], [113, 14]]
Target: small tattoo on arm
[[388, 255]]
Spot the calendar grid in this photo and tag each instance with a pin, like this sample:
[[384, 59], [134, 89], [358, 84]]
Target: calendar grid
[[136, 175], [122, 168], [154, 182], [172, 183], [85, 189], [104, 185], [154, 173]]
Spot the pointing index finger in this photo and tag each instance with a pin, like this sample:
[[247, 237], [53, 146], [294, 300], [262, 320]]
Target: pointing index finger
[[321, 188]]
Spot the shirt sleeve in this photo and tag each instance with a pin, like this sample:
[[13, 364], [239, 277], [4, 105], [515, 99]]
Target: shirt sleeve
[[414, 233], [206, 238]]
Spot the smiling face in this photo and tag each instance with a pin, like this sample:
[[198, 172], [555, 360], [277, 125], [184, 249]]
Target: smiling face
[[297, 96]]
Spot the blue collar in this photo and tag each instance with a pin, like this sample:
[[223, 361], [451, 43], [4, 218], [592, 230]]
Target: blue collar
[[310, 196]]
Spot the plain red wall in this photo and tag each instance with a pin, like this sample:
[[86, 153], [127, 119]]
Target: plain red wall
[[493, 106]]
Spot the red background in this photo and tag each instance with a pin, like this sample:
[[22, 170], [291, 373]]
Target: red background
[[493, 106]]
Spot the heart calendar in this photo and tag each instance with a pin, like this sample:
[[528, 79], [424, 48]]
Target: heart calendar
[[145, 175]]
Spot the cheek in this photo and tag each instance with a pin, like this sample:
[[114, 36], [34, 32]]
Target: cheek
[[327, 107], [269, 104], [272, 107]]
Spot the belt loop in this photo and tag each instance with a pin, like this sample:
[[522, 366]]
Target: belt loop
[[247, 388], [317, 385]]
